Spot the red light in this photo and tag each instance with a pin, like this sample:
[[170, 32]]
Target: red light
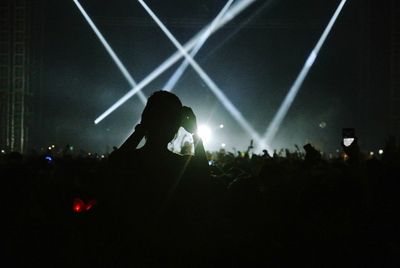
[[78, 205]]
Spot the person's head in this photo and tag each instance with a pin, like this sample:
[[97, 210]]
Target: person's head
[[161, 117]]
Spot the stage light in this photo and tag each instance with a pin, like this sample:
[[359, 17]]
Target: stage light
[[232, 13], [110, 51], [371, 153], [284, 108], [380, 151], [3, 152], [204, 133], [49, 148], [263, 146], [236, 114], [181, 69]]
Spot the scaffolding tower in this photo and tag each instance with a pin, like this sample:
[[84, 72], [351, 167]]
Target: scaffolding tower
[[395, 69], [15, 79]]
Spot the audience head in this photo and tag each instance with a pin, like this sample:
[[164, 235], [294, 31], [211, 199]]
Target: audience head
[[161, 118]]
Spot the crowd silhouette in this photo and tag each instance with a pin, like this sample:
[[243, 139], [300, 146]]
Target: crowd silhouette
[[149, 207]]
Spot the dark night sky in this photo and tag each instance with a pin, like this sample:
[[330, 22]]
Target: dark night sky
[[255, 67]]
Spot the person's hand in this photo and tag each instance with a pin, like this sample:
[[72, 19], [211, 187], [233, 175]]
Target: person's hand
[[134, 139], [140, 128], [189, 122]]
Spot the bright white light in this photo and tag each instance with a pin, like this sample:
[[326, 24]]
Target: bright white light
[[283, 109], [223, 145], [371, 153], [181, 69], [204, 133], [311, 59], [232, 13], [52, 146], [263, 146], [221, 126], [380, 151], [322, 124], [110, 51], [348, 141], [49, 148], [2, 151], [236, 114]]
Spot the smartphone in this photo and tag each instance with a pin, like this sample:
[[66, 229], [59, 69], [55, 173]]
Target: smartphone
[[348, 135]]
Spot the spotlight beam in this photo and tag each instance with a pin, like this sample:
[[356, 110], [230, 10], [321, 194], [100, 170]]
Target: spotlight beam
[[231, 14], [237, 29], [211, 84], [285, 106], [181, 69], [110, 51]]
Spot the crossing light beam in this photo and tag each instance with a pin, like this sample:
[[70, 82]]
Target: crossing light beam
[[236, 114], [181, 69], [110, 51], [230, 14]]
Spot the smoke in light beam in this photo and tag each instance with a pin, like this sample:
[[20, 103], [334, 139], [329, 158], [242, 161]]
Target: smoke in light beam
[[285, 106], [231, 14], [110, 51], [236, 114], [181, 69]]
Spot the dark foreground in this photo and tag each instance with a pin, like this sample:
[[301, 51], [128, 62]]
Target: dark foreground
[[255, 211]]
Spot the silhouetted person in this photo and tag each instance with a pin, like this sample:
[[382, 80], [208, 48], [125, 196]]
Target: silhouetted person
[[312, 155], [159, 199]]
